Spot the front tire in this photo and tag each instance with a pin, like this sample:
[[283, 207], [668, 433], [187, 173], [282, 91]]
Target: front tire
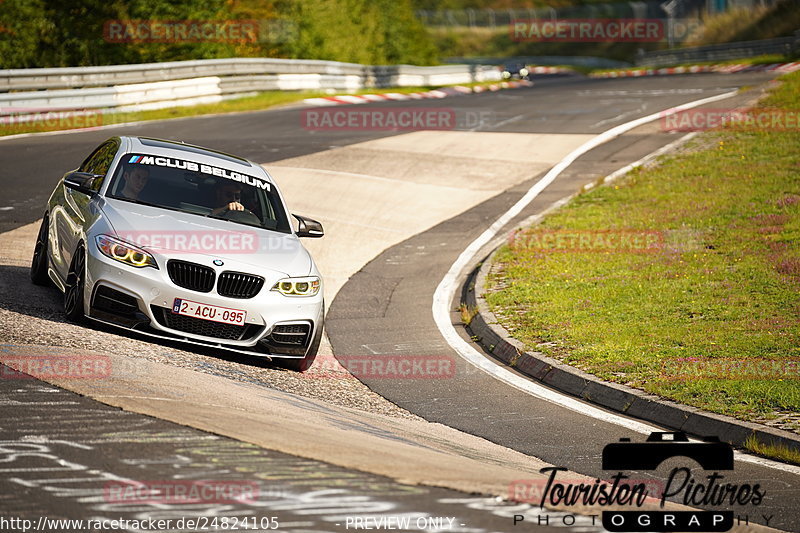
[[76, 281], [40, 256]]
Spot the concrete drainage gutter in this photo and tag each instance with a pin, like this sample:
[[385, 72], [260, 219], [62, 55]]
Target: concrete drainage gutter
[[496, 340]]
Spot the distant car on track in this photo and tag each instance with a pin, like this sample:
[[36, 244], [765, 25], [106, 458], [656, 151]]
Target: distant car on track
[[182, 242], [515, 71]]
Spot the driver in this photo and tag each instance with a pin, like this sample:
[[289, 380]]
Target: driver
[[227, 196]]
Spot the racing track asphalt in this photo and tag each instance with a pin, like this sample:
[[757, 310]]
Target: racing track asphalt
[[95, 461], [32, 164], [390, 298]]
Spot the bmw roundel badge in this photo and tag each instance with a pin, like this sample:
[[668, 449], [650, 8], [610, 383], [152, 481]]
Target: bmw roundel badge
[[218, 262]]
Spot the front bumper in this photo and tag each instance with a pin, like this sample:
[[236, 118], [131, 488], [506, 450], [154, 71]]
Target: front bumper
[[140, 299]]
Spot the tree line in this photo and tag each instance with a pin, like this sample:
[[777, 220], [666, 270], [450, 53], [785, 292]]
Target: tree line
[[66, 33]]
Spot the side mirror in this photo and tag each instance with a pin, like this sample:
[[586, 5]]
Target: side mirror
[[81, 181], [308, 228]]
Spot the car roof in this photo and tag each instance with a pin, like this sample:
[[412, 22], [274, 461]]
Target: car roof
[[166, 147]]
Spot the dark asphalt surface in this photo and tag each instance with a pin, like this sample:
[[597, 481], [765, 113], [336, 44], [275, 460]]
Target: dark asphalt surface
[[66, 457], [30, 166], [385, 308], [391, 298]]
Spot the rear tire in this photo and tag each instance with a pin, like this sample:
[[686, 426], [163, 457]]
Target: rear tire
[[76, 280], [40, 256]]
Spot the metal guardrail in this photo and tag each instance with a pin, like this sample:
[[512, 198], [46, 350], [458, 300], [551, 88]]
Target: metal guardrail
[[154, 85], [104, 76], [721, 52], [83, 77]]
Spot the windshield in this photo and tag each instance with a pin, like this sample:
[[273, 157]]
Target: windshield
[[199, 189]]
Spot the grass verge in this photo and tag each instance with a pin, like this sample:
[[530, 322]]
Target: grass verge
[[776, 451], [264, 100], [44, 121], [468, 312], [767, 59], [682, 279]]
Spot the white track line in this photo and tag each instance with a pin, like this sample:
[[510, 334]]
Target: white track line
[[446, 290]]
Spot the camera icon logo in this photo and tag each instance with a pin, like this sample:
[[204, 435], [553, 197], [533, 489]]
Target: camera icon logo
[[711, 454]]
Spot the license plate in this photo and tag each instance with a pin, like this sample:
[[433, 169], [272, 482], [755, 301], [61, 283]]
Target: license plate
[[214, 313]]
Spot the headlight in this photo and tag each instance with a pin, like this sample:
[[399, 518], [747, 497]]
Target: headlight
[[523, 72], [308, 286], [124, 253]]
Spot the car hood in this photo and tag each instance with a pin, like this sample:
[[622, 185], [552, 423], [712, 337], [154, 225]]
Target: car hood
[[176, 235]]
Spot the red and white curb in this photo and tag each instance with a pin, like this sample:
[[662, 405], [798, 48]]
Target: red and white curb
[[550, 70], [444, 92], [782, 68]]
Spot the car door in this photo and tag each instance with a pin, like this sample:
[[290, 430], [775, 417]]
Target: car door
[[79, 209]]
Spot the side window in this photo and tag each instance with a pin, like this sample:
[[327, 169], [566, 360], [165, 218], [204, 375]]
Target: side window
[[91, 161], [99, 162], [105, 157]]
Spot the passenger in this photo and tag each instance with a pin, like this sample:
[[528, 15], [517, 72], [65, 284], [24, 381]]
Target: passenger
[[135, 181]]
